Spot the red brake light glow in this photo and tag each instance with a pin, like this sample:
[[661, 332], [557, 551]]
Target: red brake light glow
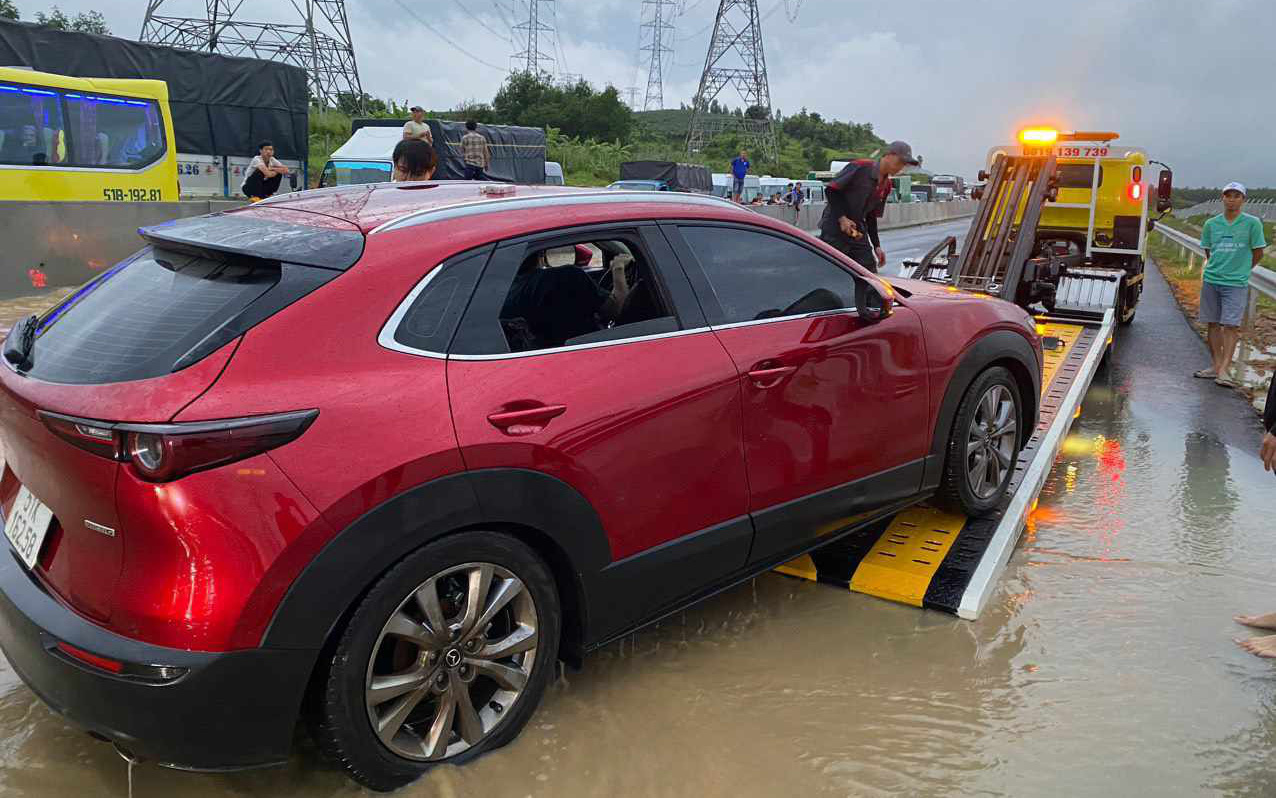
[[88, 658]]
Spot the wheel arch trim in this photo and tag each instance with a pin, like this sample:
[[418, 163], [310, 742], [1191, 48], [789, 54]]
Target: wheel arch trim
[[539, 509]]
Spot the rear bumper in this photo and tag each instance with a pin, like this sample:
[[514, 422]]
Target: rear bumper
[[228, 711]]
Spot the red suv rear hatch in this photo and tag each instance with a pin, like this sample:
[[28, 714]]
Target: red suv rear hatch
[[135, 345]]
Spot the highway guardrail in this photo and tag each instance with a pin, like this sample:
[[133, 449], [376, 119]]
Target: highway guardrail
[[1262, 280]]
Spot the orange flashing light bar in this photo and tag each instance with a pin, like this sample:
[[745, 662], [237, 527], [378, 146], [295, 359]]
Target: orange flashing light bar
[[1048, 135], [1038, 135]]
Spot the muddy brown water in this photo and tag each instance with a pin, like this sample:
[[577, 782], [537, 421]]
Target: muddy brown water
[[1103, 664]]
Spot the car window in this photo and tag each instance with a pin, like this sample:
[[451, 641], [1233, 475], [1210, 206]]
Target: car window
[[756, 276], [432, 315], [542, 298]]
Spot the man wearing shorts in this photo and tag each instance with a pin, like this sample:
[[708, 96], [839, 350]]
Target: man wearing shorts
[[1233, 244]]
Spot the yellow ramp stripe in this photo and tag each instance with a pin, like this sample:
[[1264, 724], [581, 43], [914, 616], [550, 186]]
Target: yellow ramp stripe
[[803, 568], [902, 562], [1068, 334]]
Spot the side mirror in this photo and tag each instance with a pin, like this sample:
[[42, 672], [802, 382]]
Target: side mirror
[[873, 302], [1165, 191]]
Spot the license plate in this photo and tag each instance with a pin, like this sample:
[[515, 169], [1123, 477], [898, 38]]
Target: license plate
[[1068, 152], [27, 524]]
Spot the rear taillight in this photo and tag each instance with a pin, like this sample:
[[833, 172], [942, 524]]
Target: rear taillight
[[165, 452], [1135, 189]]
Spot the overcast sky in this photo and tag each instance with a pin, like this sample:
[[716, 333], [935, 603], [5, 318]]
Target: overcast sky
[[1190, 80]]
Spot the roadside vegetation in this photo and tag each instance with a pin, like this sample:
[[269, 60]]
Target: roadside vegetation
[[591, 132]]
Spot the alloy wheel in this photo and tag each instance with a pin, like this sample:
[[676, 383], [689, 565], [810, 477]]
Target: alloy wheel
[[990, 441], [451, 661]]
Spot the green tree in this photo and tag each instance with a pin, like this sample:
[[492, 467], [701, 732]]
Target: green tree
[[578, 110], [8, 10], [84, 22]]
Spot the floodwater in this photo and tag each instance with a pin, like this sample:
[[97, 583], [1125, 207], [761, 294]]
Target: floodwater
[[1104, 664]]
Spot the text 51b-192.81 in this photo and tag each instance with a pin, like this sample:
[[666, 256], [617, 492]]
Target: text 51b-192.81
[[131, 194]]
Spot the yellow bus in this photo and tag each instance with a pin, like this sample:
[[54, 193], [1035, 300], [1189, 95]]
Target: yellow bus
[[67, 139]]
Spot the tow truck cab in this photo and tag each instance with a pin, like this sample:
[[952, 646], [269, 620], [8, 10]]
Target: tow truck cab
[[1093, 219]]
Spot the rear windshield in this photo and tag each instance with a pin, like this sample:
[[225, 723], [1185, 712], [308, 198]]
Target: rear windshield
[[1077, 175], [141, 318]]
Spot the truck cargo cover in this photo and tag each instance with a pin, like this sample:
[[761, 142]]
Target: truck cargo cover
[[221, 105]]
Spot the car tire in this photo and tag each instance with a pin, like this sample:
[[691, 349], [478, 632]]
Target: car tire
[[390, 642], [967, 485]]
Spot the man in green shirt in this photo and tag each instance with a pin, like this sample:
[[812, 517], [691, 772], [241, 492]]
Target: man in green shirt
[[1233, 244]]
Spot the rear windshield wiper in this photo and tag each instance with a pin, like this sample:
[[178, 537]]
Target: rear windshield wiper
[[17, 347]]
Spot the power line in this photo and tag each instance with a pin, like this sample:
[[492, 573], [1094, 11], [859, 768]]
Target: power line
[[500, 12], [446, 40], [503, 37]]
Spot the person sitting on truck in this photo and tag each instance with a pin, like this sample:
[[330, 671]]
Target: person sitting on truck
[[265, 173], [855, 197], [413, 160], [416, 128]]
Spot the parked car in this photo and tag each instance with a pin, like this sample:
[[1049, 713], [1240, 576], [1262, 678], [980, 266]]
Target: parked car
[[323, 455], [639, 185]]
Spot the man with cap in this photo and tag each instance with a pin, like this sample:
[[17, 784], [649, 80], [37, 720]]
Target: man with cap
[[416, 128], [856, 197], [1233, 244]]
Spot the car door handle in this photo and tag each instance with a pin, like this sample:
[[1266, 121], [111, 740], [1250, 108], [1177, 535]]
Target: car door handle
[[526, 422], [770, 377]]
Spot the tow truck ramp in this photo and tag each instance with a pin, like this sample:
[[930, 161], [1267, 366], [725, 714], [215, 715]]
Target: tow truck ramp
[[928, 558]]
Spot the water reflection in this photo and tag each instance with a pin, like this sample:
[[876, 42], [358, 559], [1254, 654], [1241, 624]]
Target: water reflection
[[1207, 500]]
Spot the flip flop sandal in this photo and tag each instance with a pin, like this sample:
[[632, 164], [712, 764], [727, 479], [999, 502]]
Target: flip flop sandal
[[1226, 382], [1206, 374]]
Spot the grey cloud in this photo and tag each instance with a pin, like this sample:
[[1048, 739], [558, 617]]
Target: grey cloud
[[1188, 80]]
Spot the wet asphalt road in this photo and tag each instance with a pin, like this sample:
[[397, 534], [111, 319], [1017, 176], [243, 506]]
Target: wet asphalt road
[[1102, 666]]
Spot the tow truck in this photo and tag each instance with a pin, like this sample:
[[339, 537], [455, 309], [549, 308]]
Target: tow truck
[[1061, 230]]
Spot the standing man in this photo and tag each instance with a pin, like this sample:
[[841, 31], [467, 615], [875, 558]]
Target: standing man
[[416, 128], [1233, 244], [739, 168], [1265, 645], [475, 152], [265, 173], [855, 199], [1268, 450]]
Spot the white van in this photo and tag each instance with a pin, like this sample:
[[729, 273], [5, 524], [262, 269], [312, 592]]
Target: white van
[[364, 158], [554, 173]]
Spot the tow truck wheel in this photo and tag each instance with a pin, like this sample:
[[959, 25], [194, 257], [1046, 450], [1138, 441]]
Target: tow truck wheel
[[983, 445]]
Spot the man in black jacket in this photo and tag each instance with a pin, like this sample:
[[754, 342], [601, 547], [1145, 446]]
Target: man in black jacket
[[855, 199], [1264, 646], [1269, 424]]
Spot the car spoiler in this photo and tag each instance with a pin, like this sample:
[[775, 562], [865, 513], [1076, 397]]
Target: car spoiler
[[258, 236]]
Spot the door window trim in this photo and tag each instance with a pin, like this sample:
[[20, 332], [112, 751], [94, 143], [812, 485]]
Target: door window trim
[[647, 236], [704, 289]]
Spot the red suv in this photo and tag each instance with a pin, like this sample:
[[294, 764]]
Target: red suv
[[377, 456]]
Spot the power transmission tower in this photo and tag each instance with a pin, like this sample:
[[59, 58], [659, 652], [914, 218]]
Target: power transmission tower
[[631, 97], [735, 58], [536, 33], [658, 33], [318, 42]]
